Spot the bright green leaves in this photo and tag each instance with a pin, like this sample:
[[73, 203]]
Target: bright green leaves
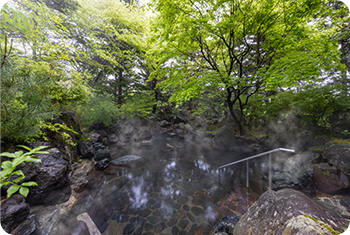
[[8, 175]]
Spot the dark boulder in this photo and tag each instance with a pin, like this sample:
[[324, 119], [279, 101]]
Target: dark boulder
[[339, 156], [288, 211], [182, 116], [96, 126], [29, 226], [329, 179], [52, 179], [166, 113], [102, 164], [102, 154], [86, 150], [13, 211], [225, 225]]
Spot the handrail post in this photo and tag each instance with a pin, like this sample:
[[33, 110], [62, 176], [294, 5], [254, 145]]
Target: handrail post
[[247, 174], [270, 173]]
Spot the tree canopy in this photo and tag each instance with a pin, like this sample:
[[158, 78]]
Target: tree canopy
[[242, 47]]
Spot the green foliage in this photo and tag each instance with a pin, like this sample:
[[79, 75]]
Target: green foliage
[[140, 104], [59, 128], [240, 47], [99, 108], [8, 173], [341, 141]]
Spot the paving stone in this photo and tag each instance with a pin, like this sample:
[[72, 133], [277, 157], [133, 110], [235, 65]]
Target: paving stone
[[186, 207], [172, 221], [138, 231], [174, 230], [183, 223], [116, 215], [141, 221], [159, 227], [193, 229], [164, 218], [148, 233], [148, 227], [156, 213], [123, 219], [164, 210], [130, 228], [144, 213], [191, 217], [132, 220], [183, 199], [152, 201], [198, 198], [118, 205], [182, 232], [197, 211], [153, 220], [125, 200], [174, 205], [156, 206]]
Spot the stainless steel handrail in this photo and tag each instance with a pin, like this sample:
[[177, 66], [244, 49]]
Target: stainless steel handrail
[[255, 156]]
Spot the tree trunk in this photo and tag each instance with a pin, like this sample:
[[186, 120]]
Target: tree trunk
[[120, 87], [237, 120]]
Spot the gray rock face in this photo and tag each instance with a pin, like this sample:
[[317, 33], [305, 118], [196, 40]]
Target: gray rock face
[[52, 179], [183, 116], [126, 160], [287, 211], [13, 211], [86, 150], [329, 179], [225, 225], [101, 165], [224, 139], [339, 156]]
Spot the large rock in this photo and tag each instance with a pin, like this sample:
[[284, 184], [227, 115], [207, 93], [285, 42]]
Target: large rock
[[86, 150], [166, 113], [102, 154], [182, 116], [339, 156], [224, 138], [339, 122], [329, 179], [52, 179], [13, 211], [225, 225], [288, 211]]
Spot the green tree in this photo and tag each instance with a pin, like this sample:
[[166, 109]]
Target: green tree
[[241, 47]]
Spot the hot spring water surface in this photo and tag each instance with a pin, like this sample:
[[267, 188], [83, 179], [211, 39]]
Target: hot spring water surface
[[172, 191]]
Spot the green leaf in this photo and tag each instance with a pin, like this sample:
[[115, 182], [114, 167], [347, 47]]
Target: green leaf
[[25, 147], [19, 172], [6, 165], [11, 190], [24, 191], [18, 179], [31, 183]]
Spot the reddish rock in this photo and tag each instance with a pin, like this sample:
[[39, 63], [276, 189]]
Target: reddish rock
[[329, 179]]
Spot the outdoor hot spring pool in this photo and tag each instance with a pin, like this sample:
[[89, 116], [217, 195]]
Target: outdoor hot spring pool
[[171, 191]]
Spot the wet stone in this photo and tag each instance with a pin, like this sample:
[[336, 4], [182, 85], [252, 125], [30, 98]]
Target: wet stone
[[174, 205], [172, 221], [190, 216], [183, 199], [152, 201], [193, 230], [183, 223], [123, 219], [148, 233], [141, 221], [156, 213], [186, 207], [138, 231], [148, 227], [198, 199], [153, 220], [174, 230], [130, 228], [197, 210], [125, 200], [118, 205], [156, 206], [159, 227], [116, 215], [144, 213], [132, 220], [164, 218], [164, 210]]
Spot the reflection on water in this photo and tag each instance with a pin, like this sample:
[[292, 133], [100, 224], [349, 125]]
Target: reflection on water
[[170, 192]]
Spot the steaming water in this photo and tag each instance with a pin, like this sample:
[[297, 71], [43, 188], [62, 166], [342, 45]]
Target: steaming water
[[172, 191]]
